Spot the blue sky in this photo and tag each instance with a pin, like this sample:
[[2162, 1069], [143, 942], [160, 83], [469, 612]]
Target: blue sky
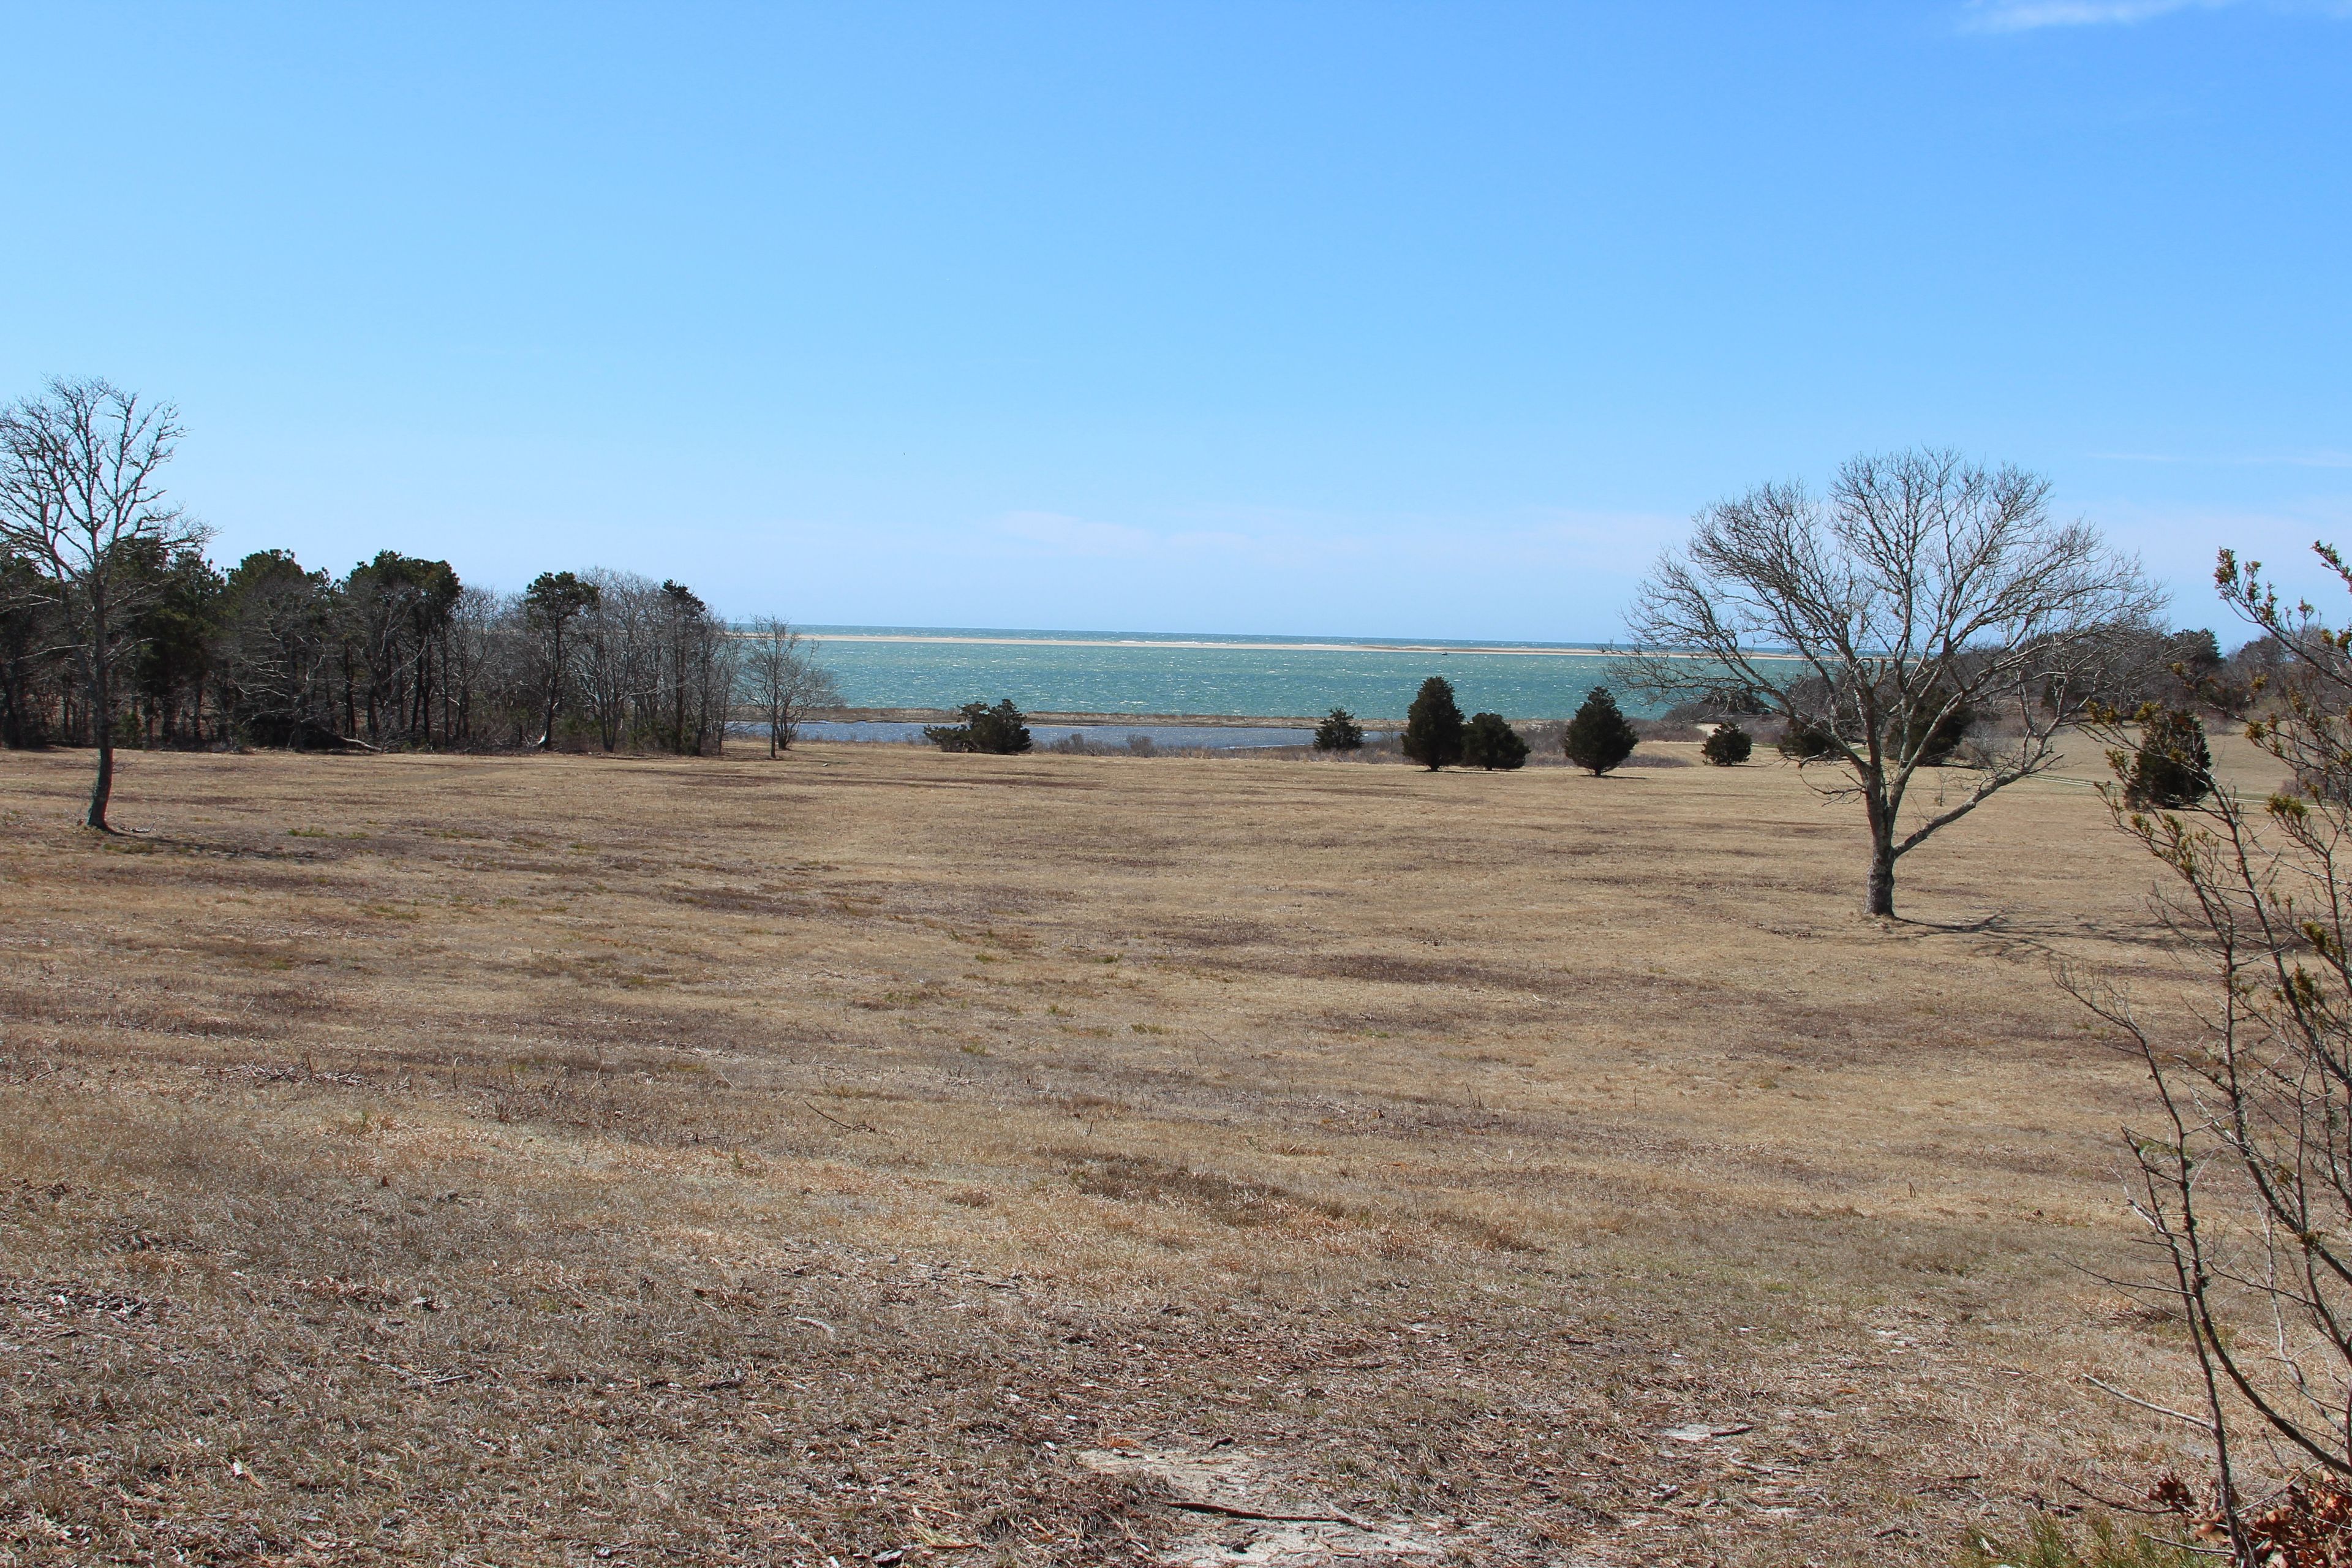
[[1430, 319]]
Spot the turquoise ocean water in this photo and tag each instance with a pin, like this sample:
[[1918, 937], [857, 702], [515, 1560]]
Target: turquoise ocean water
[[1118, 672]]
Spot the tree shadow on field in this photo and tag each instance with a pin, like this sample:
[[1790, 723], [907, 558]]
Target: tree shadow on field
[[149, 841], [1995, 922], [2039, 935]]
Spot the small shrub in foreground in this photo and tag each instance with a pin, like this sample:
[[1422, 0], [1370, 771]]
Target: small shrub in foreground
[[1728, 747], [1488, 741], [1600, 737]]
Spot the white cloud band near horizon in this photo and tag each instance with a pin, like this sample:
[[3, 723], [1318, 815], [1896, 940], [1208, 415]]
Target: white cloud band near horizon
[[2026, 15]]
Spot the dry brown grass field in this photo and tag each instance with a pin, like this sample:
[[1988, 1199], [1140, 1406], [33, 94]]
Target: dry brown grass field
[[986, 1160]]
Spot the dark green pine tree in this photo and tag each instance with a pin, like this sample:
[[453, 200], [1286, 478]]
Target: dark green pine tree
[[1808, 741], [1489, 742], [1432, 725], [2173, 767], [1339, 733], [1728, 746], [1600, 737], [1943, 741], [1000, 729]]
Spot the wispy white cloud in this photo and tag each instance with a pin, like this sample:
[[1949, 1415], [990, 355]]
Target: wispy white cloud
[[2020, 15], [2024, 16]]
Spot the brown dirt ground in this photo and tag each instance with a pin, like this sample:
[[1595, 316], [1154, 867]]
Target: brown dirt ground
[[556, 1158]]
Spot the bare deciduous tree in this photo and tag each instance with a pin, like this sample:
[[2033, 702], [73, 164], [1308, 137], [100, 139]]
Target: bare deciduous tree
[[2244, 1184], [782, 681], [81, 496], [1922, 591], [653, 663], [492, 680], [612, 648]]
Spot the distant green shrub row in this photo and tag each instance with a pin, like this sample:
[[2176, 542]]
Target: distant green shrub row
[[1599, 738]]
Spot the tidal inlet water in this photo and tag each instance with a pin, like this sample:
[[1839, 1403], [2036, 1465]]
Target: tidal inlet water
[[1254, 677]]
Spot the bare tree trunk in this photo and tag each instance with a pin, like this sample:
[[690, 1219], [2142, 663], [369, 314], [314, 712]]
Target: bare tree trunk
[[554, 688], [1879, 897], [101, 791], [102, 703]]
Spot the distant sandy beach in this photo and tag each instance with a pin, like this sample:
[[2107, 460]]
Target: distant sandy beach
[[1561, 651], [1130, 721]]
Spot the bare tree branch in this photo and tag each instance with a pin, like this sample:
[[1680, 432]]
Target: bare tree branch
[[81, 496], [1919, 595], [780, 680]]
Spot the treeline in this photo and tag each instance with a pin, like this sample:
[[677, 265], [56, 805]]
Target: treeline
[[396, 653], [2134, 666]]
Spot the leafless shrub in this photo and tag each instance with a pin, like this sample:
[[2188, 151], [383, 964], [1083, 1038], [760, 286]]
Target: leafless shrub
[[2244, 1184]]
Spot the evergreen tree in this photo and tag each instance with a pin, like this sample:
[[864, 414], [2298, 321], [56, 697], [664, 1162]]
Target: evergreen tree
[[1805, 741], [31, 662], [2173, 766], [174, 630], [394, 613], [1339, 733], [999, 730], [1432, 725], [1600, 737], [1942, 738], [1729, 746], [1489, 742], [552, 602]]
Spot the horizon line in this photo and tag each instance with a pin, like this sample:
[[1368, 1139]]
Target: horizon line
[[1253, 643]]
